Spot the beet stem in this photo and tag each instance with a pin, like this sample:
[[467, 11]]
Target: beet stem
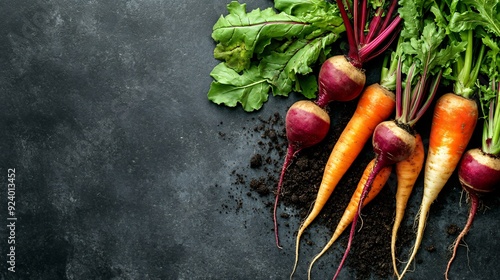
[[371, 46], [364, 13], [388, 15], [358, 28], [353, 46], [474, 202], [290, 154], [379, 164], [374, 25]]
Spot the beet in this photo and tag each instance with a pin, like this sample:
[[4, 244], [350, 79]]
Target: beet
[[306, 125], [339, 80], [478, 171]]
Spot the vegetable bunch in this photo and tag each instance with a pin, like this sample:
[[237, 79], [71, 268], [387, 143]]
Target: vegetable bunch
[[449, 42]]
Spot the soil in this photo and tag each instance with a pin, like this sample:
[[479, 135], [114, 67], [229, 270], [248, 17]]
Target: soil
[[370, 252]]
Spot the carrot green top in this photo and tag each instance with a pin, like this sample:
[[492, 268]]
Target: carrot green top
[[491, 129], [479, 21], [489, 97], [457, 17], [425, 53]]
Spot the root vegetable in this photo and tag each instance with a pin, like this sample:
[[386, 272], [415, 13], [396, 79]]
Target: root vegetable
[[394, 141], [407, 172], [479, 168], [452, 126], [306, 125]]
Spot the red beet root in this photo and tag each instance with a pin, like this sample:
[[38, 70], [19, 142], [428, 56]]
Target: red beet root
[[478, 173], [339, 80], [306, 125]]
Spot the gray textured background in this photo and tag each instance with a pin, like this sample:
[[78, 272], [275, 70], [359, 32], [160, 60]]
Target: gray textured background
[[121, 171]]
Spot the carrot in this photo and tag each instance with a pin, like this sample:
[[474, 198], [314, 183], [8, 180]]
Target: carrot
[[453, 123], [350, 211], [455, 114], [479, 168], [374, 106], [407, 172]]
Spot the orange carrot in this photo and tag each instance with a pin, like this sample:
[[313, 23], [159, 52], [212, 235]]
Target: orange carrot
[[375, 105], [350, 210], [407, 172], [452, 127]]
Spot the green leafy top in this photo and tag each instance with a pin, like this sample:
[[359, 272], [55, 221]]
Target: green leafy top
[[479, 20], [426, 43], [489, 97], [484, 14], [457, 17], [425, 53], [240, 35], [267, 50], [388, 71]]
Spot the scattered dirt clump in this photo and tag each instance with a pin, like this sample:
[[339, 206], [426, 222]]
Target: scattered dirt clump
[[452, 229]]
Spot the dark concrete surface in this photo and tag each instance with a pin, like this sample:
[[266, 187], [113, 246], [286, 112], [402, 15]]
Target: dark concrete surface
[[120, 171]]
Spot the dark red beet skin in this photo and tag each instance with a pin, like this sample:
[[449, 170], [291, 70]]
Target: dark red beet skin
[[305, 128], [339, 80], [479, 171], [306, 125], [392, 143]]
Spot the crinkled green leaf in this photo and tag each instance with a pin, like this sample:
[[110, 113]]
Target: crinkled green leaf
[[376, 3], [411, 11], [426, 40], [319, 13], [301, 8], [281, 68], [462, 22], [308, 85], [466, 20], [241, 34], [491, 65], [485, 15], [271, 49], [231, 88]]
